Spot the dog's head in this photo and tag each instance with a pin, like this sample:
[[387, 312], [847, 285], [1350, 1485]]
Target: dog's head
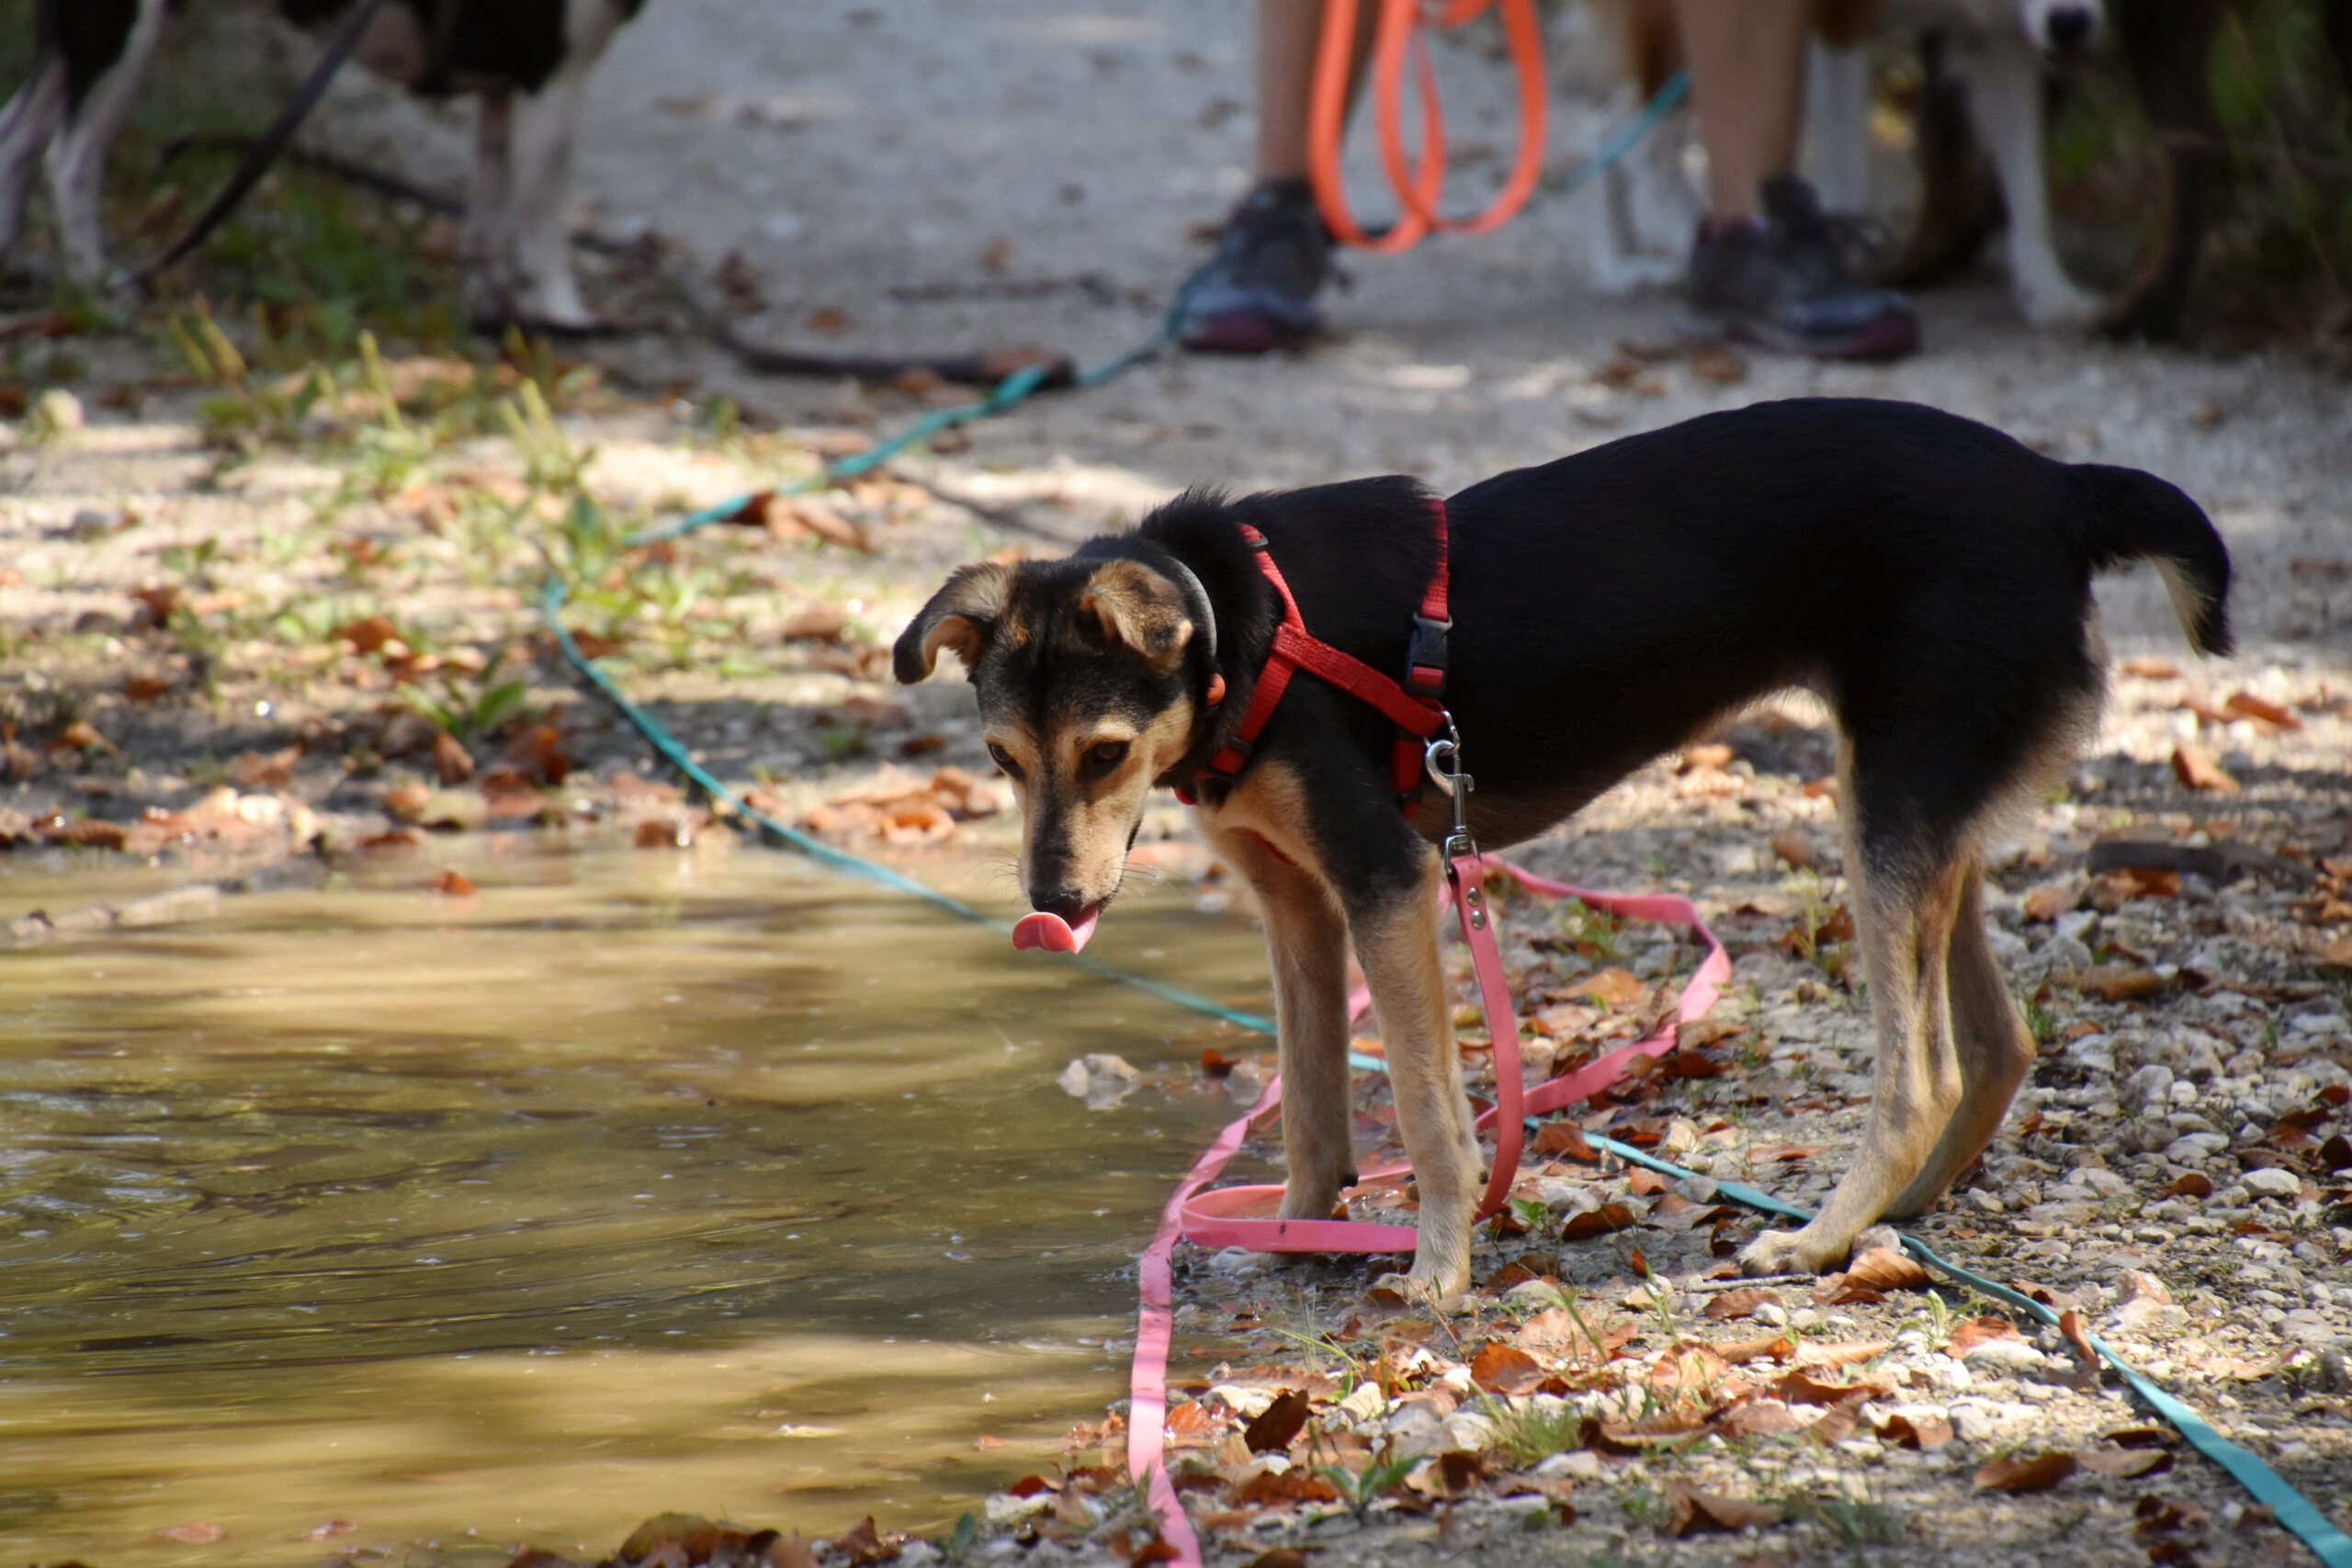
[[2062, 30], [1091, 674]]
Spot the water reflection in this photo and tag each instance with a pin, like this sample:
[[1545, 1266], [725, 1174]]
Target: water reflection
[[636, 1182]]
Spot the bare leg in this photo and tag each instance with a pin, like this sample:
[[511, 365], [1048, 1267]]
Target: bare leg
[[1306, 943], [488, 250], [1747, 85], [1288, 34], [77, 154], [539, 188], [1398, 940], [1995, 1051], [31, 118]]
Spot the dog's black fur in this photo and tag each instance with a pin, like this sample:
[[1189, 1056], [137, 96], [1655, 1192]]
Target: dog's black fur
[[1927, 576]]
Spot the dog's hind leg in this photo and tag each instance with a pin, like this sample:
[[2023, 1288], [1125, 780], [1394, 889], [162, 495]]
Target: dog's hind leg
[[2005, 96], [77, 154], [1904, 917], [1995, 1047], [1396, 938], [1307, 945]]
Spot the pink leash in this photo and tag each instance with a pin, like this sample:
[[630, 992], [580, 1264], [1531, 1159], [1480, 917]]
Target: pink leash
[[1239, 1216]]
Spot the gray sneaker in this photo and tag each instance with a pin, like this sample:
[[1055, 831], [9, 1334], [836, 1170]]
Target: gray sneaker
[[1258, 293], [1783, 282]]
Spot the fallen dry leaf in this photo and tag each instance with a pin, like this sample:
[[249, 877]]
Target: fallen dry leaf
[[1273, 1427], [2049, 901], [1505, 1370], [1597, 1222], [2197, 771], [2114, 982], [451, 761], [2126, 1463], [1566, 1138], [1798, 1386], [1718, 363], [1691, 1509], [1613, 988], [453, 884], [2021, 1473], [2190, 1184], [368, 635], [1270, 1489], [196, 1532], [1916, 1431], [1779, 1346], [2069, 1324], [1741, 1302], [1873, 1274], [1795, 846], [2247, 706], [2151, 669], [85, 832], [145, 688], [1970, 1331]]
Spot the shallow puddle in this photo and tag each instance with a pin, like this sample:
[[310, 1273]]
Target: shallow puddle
[[637, 1181]]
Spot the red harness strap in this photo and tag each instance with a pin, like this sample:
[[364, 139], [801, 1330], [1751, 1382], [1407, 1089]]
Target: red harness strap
[[1414, 704]]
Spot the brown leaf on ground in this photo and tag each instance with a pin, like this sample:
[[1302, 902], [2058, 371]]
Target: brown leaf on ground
[[1921, 1432], [2197, 771], [451, 761], [1783, 1153], [2245, 704], [539, 1557], [1565, 1138], [86, 833], [2190, 1184], [536, 753], [1975, 1331], [2126, 1463], [1691, 1510], [791, 1551], [1741, 1302], [2126, 883], [817, 623], [2114, 982], [368, 635], [1553, 1332], [1506, 1369], [2151, 669], [453, 884], [1269, 1489], [1272, 1428], [1813, 1353], [2069, 1324], [1718, 363], [1613, 988], [1645, 1182], [1283, 1557], [2051, 900], [2335, 1154], [1873, 1274], [1689, 1369], [1795, 846], [253, 770], [81, 736], [866, 1545], [2022, 1472], [1801, 1387], [1757, 1419], [145, 688], [1191, 1425], [1608, 1217], [1779, 1346]]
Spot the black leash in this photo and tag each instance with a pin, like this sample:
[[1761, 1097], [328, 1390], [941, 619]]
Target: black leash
[[271, 142]]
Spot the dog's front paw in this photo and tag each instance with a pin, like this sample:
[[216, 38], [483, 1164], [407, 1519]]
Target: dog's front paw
[[1808, 1251]]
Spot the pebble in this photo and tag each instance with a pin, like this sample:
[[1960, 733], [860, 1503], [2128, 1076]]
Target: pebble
[[1771, 1315], [2271, 1182], [1581, 1465], [2005, 1354]]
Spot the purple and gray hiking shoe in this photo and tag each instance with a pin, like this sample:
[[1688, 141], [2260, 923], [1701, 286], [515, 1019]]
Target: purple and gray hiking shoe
[[1783, 281], [1258, 293]]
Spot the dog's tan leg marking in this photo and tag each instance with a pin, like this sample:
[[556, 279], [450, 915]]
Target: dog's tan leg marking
[[1398, 941], [1306, 943], [1905, 928], [1995, 1051]]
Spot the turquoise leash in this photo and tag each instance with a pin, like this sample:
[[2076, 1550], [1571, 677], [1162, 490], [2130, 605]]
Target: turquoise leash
[[2269, 1487]]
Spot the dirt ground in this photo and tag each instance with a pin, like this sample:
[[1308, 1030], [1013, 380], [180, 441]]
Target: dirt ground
[[251, 647]]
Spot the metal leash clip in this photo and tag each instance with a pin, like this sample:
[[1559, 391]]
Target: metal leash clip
[[1442, 757]]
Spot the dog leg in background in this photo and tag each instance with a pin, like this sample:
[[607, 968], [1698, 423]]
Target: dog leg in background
[[537, 227], [77, 154], [26, 125], [1837, 125], [487, 249], [1396, 941], [2005, 96], [1307, 947], [1995, 1050]]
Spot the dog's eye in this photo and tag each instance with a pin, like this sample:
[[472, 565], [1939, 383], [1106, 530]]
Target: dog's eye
[[1107, 754], [1003, 759]]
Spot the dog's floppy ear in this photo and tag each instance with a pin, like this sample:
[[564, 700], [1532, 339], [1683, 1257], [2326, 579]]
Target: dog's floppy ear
[[1139, 607], [961, 616]]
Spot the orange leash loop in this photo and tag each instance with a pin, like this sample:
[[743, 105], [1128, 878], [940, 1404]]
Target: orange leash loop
[[1417, 187]]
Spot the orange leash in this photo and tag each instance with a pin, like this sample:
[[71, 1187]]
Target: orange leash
[[1417, 185]]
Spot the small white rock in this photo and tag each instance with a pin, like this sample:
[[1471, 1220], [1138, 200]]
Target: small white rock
[[2014, 1355], [2272, 1182], [1771, 1315]]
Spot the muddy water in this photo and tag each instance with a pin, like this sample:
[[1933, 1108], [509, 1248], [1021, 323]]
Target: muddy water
[[637, 1182]]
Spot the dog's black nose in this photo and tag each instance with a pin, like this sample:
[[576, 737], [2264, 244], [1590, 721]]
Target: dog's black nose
[[2070, 27], [1063, 901]]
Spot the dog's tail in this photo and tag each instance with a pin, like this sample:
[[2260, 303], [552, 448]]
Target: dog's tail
[[2130, 516]]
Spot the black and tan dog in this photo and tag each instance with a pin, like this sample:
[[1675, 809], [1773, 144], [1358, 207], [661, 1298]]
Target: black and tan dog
[[1927, 576]]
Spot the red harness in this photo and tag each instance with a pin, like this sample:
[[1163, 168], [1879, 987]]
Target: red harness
[[1415, 703]]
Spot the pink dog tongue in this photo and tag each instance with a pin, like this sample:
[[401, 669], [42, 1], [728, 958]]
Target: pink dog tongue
[[1052, 932]]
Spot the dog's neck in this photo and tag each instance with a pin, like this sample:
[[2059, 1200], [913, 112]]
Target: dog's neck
[[1246, 611]]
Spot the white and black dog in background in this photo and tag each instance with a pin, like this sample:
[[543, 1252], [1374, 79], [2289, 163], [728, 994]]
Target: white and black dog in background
[[527, 59]]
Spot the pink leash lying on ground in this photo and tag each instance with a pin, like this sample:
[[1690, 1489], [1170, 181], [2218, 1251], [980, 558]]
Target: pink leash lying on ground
[[1225, 1218]]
